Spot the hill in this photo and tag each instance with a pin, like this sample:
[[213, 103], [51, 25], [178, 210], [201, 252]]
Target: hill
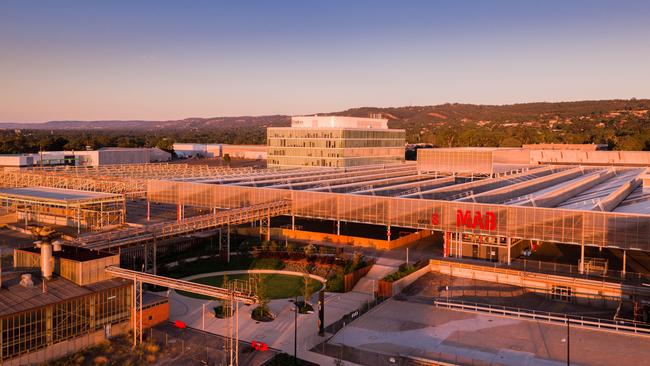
[[622, 124]]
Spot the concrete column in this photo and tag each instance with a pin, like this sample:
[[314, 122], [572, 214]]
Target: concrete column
[[445, 244], [581, 266], [148, 210], [624, 262], [178, 212], [508, 245], [268, 229], [338, 227], [388, 233], [293, 222], [228, 243]]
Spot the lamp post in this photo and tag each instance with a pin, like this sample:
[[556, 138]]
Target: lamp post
[[568, 343], [295, 331]]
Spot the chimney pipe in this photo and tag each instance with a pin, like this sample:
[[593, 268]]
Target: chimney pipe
[[47, 263]]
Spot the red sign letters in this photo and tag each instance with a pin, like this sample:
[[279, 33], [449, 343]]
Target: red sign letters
[[476, 220]]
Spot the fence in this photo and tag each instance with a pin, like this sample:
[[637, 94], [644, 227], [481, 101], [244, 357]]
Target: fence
[[373, 358], [548, 317], [351, 316], [351, 279], [191, 346], [574, 271]]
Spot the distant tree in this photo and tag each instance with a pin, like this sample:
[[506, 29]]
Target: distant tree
[[166, 144]]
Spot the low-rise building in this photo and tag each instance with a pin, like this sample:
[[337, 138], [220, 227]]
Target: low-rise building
[[60, 300], [104, 156]]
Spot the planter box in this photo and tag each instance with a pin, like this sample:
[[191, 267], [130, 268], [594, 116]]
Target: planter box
[[392, 288], [351, 279]]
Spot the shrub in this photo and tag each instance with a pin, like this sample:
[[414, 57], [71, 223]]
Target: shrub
[[403, 271], [222, 311], [304, 307], [262, 314], [100, 360], [152, 348], [309, 249]]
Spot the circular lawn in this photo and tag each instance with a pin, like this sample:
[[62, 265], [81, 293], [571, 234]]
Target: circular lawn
[[278, 286]]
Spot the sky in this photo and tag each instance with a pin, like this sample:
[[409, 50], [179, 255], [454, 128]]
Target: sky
[[163, 60]]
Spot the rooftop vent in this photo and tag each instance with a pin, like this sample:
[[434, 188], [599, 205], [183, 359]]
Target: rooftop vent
[[26, 280], [56, 245]]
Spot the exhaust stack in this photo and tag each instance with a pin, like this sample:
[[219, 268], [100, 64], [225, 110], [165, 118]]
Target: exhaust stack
[[47, 262]]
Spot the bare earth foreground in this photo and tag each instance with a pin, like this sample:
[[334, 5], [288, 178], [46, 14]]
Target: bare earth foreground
[[421, 330]]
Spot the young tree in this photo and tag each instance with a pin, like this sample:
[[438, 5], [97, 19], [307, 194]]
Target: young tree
[[306, 290]]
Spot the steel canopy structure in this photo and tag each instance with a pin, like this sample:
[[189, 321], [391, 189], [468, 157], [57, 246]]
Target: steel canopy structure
[[502, 206], [584, 205], [93, 210]]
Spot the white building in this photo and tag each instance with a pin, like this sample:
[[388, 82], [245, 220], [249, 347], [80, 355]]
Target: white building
[[104, 156]]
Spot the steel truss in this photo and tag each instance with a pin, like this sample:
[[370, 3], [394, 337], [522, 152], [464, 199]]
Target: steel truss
[[167, 230], [236, 292]]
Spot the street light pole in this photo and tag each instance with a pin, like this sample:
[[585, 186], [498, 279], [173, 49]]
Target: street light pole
[[295, 331], [568, 343]]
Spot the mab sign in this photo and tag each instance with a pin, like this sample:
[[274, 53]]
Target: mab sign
[[476, 220], [466, 219]]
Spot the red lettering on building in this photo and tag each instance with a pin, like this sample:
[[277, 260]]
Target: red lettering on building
[[487, 221], [435, 219]]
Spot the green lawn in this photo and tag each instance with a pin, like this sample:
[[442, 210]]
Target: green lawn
[[278, 286]]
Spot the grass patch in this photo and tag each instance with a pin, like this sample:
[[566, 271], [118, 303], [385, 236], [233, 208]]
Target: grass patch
[[217, 265], [278, 286]]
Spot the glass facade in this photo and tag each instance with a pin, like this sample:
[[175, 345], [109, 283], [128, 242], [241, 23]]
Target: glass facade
[[334, 147], [603, 229], [31, 330]]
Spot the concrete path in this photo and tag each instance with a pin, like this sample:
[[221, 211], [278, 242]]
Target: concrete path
[[379, 270]]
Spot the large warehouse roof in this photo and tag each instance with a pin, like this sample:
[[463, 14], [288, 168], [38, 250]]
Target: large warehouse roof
[[59, 195], [568, 187]]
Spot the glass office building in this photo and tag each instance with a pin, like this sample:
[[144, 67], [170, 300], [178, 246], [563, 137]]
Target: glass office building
[[334, 141]]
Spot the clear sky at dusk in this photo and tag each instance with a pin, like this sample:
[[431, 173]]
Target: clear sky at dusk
[[158, 60]]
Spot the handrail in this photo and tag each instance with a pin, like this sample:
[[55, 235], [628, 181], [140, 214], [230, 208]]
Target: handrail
[[549, 317], [235, 216], [600, 283]]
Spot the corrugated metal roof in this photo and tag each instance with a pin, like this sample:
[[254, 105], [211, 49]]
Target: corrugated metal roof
[[15, 298]]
